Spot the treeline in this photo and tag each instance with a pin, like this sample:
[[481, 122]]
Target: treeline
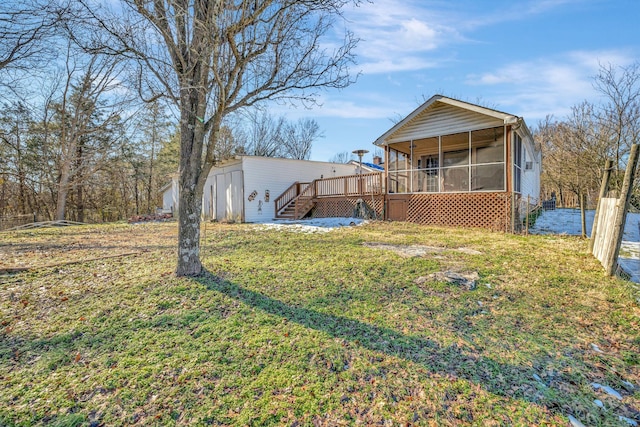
[[78, 139], [575, 149], [76, 144]]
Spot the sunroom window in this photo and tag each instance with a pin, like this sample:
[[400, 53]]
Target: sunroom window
[[461, 162], [487, 159]]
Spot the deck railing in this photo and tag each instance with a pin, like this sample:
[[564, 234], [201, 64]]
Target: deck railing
[[304, 202], [301, 195], [351, 185], [289, 194]]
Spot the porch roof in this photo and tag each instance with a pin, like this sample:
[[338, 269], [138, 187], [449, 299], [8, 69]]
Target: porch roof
[[498, 116]]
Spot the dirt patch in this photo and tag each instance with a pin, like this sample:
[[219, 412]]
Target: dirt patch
[[409, 251], [466, 280]]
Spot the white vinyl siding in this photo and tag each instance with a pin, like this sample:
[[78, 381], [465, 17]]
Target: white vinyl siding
[[442, 119], [170, 198], [530, 178], [262, 174], [227, 189]]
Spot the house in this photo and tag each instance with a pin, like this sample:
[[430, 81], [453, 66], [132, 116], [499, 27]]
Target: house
[[455, 163], [170, 195], [244, 189], [368, 167], [449, 163]]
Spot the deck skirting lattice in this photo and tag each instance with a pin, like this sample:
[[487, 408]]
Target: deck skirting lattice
[[482, 210], [332, 207]]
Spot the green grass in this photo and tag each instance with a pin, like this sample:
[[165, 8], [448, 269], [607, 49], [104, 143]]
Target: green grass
[[310, 329]]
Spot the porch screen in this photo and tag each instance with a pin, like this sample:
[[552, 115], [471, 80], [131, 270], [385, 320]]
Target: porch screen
[[461, 162], [398, 173], [455, 162], [487, 159]]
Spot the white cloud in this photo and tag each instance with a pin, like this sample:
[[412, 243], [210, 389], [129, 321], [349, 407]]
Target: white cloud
[[397, 36], [473, 15], [358, 106], [412, 35], [550, 85]]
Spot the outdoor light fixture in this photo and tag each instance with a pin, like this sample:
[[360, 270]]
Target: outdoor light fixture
[[360, 153]]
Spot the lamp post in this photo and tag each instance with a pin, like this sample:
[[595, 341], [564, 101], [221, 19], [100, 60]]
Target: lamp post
[[360, 153]]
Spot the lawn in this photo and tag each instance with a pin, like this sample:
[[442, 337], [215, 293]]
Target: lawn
[[312, 329]]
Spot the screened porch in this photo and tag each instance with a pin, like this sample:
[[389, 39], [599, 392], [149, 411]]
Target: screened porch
[[472, 161]]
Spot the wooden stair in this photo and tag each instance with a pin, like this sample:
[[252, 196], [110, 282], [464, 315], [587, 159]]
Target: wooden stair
[[301, 200]]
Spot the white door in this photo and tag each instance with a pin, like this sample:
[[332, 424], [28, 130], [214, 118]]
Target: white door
[[236, 202], [220, 197]]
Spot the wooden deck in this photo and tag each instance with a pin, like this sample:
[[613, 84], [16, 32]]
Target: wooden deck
[[339, 196], [301, 197]]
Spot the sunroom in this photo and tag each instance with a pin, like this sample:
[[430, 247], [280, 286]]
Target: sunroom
[[460, 162], [454, 163]]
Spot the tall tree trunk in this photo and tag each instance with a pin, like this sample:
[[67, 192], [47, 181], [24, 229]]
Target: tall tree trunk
[[3, 194], [190, 199], [63, 189], [136, 192], [150, 183], [189, 209], [79, 184], [80, 203]]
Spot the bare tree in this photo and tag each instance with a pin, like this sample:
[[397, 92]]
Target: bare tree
[[619, 115], [215, 57], [14, 122], [25, 25], [298, 138], [84, 117], [575, 149], [261, 134], [342, 157], [573, 153], [154, 128]]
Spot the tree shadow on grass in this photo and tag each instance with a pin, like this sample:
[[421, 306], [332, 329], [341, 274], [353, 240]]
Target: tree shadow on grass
[[502, 379]]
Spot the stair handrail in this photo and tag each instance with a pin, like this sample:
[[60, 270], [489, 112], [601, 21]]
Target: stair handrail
[[287, 196], [309, 193]]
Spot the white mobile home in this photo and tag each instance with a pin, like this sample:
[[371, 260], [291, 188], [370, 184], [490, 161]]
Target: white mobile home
[[244, 189]]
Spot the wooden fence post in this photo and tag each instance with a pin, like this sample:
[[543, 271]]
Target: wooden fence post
[[604, 189], [583, 219], [623, 206]]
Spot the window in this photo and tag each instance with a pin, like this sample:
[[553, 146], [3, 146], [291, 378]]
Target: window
[[460, 162], [517, 163], [487, 159], [398, 173], [455, 158], [455, 162]]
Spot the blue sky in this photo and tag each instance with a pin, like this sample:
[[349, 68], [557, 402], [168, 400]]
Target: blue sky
[[531, 58]]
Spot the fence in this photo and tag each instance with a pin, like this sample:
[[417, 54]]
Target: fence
[[549, 205], [90, 216], [7, 222], [603, 243], [610, 216]]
